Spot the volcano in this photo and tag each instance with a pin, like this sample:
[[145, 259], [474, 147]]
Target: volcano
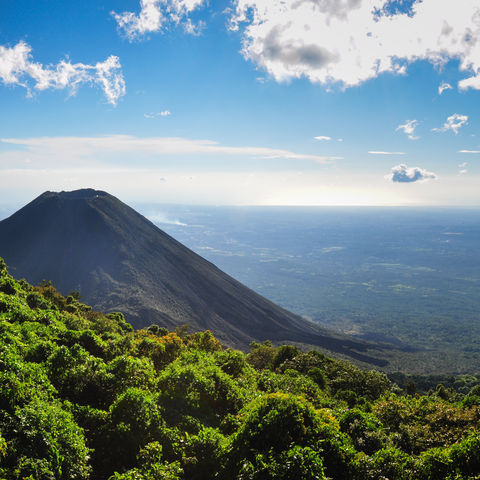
[[89, 241]]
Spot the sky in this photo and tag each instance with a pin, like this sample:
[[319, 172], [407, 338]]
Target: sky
[[242, 102]]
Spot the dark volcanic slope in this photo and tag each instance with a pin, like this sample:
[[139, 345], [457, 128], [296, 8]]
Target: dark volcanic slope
[[89, 241]]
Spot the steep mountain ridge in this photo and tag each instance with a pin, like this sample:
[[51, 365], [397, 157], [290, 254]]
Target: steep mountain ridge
[[89, 241]]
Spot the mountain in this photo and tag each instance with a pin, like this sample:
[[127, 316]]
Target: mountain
[[89, 241]]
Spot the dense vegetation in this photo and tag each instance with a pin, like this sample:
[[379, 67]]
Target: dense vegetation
[[83, 396]]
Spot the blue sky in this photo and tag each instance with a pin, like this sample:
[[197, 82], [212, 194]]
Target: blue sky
[[309, 102]]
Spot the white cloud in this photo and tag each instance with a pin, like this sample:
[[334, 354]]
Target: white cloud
[[454, 123], [444, 86], [17, 68], [91, 147], [194, 29], [379, 152], [409, 129], [164, 113], [463, 168], [323, 138], [154, 15], [469, 151], [403, 174], [472, 82], [352, 41]]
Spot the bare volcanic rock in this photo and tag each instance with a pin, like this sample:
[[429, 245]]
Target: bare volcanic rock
[[91, 242]]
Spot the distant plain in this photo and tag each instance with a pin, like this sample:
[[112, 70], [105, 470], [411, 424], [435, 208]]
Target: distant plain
[[406, 276]]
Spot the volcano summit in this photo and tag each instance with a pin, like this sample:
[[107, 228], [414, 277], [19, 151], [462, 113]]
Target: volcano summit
[[89, 241]]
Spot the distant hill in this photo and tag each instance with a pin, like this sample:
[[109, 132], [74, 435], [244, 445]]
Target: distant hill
[[89, 241]]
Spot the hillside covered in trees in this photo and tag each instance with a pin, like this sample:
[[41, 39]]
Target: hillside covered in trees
[[84, 396]]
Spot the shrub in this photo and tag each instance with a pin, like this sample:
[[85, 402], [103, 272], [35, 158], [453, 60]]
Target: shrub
[[232, 362], [297, 463], [135, 421], [277, 422], [7, 285], [194, 385], [389, 462], [364, 430], [47, 437], [161, 350]]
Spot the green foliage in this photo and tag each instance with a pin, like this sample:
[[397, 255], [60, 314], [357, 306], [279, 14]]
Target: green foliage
[[389, 462], [233, 363], [195, 385], [364, 429], [277, 422], [341, 376], [37, 301], [202, 454], [7, 285], [318, 376], [151, 466], [204, 341], [119, 319], [297, 463], [135, 421], [127, 371], [161, 350], [78, 376], [83, 396], [262, 356], [291, 382], [46, 438], [283, 354], [21, 382]]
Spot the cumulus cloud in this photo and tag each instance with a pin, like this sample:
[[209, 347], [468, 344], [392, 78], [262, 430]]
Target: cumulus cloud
[[403, 174], [463, 165], [454, 123], [409, 129], [381, 152], [164, 113], [155, 15], [462, 172], [323, 138], [17, 68], [444, 86], [471, 82], [351, 41]]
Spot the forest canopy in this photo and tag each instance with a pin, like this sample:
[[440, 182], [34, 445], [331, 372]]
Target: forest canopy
[[84, 396]]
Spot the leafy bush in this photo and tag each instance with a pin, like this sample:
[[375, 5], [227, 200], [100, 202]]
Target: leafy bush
[[364, 429], [277, 422], [195, 385], [297, 463], [42, 435], [389, 462]]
